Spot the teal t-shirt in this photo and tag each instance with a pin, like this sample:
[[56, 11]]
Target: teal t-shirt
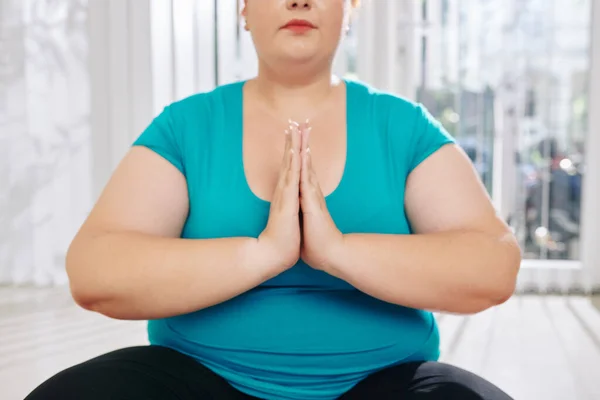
[[303, 334]]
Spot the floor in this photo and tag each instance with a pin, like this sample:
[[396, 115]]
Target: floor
[[534, 347]]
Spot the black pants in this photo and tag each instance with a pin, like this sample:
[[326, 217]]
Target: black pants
[[158, 373]]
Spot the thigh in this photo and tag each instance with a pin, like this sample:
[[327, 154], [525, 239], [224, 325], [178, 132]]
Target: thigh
[[425, 381], [138, 373]]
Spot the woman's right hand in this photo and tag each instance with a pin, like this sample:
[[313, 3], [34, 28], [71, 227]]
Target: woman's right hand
[[281, 237]]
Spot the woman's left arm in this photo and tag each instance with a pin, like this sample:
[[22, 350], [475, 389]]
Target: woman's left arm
[[462, 258]]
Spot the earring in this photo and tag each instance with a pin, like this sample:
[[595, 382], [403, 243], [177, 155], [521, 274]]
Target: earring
[[246, 26]]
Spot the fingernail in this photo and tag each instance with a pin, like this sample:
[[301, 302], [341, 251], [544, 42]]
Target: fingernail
[[286, 132]]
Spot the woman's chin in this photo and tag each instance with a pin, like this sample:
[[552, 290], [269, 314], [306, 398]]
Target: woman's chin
[[298, 55]]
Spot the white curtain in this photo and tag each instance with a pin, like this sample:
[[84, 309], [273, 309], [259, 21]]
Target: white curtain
[[44, 136]]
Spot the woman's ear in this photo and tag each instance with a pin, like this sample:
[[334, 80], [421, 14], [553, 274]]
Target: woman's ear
[[244, 13], [354, 5]]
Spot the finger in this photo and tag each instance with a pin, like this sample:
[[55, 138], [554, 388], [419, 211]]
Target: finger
[[309, 184], [294, 172], [305, 172], [308, 199], [287, 158], [316, 188], [296, 130], [288, 195], [283, 171], [296, 163], [306, 129], [287, 147], [312, 175], [313, 181]]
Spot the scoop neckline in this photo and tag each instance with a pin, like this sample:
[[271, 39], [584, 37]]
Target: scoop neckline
[[239, 128]]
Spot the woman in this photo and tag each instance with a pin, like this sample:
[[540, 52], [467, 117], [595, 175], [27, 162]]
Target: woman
[[296, 279]]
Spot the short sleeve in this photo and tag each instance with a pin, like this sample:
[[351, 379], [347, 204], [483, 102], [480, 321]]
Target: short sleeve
[[428, 136], [163, 137]]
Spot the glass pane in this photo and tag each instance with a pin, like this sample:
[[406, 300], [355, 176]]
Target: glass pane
[[518, 70]]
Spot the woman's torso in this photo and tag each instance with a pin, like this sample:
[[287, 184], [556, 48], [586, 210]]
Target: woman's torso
[[303, 334]]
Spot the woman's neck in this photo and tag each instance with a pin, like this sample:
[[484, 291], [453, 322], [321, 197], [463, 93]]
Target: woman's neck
[[295, 96]]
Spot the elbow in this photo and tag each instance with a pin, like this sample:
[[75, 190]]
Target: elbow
[[84, 288], [82, 292], [502, 284], [90, 287], [495, 297], [89, 299], [483, 301], [501, 293], [501, 281], [509, 271], [83, 296]]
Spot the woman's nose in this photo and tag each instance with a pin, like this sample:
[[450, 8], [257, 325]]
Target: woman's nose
[[299, 5]]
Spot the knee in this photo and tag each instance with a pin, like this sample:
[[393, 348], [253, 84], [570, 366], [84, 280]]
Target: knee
[[89, 381], [57, 387], [447, 373], [449, 382]]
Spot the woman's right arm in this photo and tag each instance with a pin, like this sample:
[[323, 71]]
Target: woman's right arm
[[129, 262]]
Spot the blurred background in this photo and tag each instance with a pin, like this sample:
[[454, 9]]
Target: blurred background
[[514, 81]]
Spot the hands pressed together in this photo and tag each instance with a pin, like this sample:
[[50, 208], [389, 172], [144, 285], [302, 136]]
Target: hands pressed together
[[299, 224]]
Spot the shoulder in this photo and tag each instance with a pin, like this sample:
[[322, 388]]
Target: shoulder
[[384, 104], [206, 103], [191, 118], [404, 124], [408, 119]]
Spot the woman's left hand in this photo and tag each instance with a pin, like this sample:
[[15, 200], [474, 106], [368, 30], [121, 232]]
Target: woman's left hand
[[321, 239]]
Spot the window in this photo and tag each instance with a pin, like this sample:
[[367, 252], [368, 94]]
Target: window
[[522, 67], [530, 105]]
